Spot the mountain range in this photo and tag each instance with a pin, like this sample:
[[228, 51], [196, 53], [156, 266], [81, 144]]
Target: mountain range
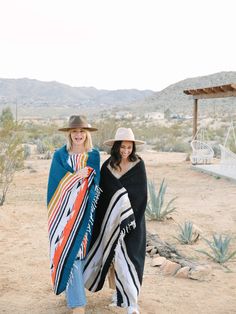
[[28, 91], [45, 99]]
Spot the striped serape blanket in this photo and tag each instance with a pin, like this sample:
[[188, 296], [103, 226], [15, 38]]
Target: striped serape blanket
[[71, 208], [119, 234]]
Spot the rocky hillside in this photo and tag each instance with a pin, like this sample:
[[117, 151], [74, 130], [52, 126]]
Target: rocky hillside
[[173, 97]]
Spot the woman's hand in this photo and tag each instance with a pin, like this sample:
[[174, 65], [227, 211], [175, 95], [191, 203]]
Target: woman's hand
[[83, 173]]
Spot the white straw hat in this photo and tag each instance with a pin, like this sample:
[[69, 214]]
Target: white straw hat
[[123, 134]]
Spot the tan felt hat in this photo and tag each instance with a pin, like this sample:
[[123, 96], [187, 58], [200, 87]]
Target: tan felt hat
[[78, 122]]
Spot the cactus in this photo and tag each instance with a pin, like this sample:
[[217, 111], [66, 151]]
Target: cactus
[[219, 249], [187, 235], [154, 209]]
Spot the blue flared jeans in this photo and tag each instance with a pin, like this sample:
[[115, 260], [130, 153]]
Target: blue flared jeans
[[75, 291]]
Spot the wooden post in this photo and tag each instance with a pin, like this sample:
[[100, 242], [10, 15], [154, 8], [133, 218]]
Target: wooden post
[[195, 109]]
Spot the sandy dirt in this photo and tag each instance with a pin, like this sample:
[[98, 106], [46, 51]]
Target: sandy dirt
[[210, 203]]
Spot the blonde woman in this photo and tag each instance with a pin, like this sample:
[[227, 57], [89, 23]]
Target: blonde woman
[[73, 191]]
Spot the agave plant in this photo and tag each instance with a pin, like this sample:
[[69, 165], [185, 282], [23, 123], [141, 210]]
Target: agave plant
[[187, 235], [219, 249], [155, 207]]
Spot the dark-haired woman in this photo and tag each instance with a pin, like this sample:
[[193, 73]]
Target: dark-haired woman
[[119, 235]]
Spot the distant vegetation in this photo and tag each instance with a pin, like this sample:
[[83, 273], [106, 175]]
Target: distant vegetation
[[11, 151], [170, 136]]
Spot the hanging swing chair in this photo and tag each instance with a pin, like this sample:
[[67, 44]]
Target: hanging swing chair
[[228, 158], [202, 153]]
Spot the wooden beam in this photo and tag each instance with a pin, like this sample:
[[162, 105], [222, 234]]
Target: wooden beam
[[195, 114], [215, 89], [227, 90], [215, 95], [207, 90]]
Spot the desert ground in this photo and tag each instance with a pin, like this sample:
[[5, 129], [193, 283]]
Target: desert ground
[[209, 202]]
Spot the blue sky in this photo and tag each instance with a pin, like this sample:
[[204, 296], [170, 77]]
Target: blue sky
[[143, 44]]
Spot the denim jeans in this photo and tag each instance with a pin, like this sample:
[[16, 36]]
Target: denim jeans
[[75, 291]]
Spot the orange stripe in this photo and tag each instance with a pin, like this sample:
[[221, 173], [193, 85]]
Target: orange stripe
[[72, 178], [84, 159], [56, 200], [66, 232], [68, 175], [68, 228], [85, 244], [57, 193], [77, 163], [57, 206]]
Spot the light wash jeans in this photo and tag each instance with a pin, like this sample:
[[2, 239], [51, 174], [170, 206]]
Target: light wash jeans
[[75, 291]]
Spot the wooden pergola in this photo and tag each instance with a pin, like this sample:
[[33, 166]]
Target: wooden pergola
[[228, 90]]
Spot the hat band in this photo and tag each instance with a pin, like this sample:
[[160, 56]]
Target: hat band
[[124, 138], [76, 126]]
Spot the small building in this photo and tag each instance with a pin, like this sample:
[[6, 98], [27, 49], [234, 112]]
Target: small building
[[120, 115], [154, 115]]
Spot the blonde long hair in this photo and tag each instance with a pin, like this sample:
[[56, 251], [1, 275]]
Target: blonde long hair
[[88, 144]]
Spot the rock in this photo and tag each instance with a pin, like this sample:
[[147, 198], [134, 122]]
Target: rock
[[197, 229], [158, 261], [200, 273], [149, 248], [182, 272], [169, 268], [153, 251]]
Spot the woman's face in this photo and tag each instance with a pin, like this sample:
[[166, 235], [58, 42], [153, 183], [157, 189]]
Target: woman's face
[[126, 149], [78, 136]]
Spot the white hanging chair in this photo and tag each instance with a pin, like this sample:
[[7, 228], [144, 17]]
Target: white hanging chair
[[202, 153], [228, 158]]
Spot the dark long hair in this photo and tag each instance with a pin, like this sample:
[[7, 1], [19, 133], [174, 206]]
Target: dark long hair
[[116, 157]]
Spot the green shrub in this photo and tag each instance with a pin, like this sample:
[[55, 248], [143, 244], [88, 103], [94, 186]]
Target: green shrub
[[47, 155], [180, 147], [27, 151], [11, 152], [42, 147], [57, 140], [106, 130]]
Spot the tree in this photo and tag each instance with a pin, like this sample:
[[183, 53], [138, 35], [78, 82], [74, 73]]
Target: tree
[[6, 118], [11, 151], [106, 130]]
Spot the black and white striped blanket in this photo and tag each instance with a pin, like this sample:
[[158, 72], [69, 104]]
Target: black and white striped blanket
[[119, 234]]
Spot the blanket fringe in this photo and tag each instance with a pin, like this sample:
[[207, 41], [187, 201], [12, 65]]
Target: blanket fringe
[[83, 249], [124, 231]]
